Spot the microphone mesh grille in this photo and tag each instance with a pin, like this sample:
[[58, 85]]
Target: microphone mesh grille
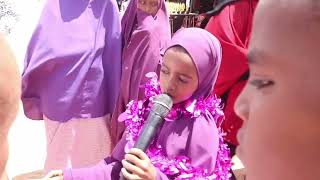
[[162, 104]]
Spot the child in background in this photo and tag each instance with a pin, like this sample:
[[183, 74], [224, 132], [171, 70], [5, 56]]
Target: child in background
[[146, 30], [190, 143]]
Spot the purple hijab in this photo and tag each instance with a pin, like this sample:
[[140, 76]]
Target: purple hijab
[[196, 138], [73, 61], [144, 36]]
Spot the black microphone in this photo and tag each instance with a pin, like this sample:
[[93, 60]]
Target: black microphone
[[162, 105]]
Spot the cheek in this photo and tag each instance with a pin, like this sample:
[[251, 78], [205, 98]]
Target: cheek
[[3, 154], [163, 83], [142, 7], [154, 10], [185, 91], [183, 94], [280, 135]]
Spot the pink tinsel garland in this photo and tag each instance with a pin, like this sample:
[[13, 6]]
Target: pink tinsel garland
[[180, 167]]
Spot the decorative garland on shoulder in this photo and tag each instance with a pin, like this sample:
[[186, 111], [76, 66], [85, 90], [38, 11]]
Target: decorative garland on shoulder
[[180, 167]]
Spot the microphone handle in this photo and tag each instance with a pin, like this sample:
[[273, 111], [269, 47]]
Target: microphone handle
[[148, 131], [147, 134]]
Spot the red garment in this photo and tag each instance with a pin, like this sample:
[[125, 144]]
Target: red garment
[[233, 28]]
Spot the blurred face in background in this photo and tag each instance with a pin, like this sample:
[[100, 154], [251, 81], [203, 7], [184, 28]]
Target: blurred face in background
[[149, 6], [9, 98], [280, 105]]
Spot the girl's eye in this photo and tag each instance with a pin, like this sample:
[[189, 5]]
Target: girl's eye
[[183, 80], [259, 84]]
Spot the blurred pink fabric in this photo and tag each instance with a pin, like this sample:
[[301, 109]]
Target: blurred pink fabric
[[76, 143]]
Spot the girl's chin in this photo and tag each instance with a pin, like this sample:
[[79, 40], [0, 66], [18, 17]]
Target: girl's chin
[[175, 101]]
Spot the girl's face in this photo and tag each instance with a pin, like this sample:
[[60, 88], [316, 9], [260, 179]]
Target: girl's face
[[148, 6], [178, 76]]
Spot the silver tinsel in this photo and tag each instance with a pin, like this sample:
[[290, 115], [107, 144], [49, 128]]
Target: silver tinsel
[[8, 16]]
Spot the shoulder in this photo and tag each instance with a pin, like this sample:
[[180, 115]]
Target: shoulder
[[146, 37], [204, 137], [205, 127]]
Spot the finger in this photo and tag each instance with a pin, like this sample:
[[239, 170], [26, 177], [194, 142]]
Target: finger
[[53, 178], [57, 178], [128, 175], [133, 168], [133, 159], [54, 173], [138, 152], [142, 164]]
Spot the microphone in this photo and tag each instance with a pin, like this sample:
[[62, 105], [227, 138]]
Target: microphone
[[162, 105]]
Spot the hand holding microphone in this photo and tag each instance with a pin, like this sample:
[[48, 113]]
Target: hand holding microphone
[[137, 164]]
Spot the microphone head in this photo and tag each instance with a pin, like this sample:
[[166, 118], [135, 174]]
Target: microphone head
[[162, 105]]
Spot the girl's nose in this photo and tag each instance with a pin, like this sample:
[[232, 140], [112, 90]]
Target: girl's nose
[[171, 86]]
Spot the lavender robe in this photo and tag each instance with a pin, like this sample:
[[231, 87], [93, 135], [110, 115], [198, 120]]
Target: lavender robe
[[194, 138], [72, 65]]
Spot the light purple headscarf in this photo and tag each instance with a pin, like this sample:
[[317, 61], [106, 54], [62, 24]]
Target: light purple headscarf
[[196, 138], [73, 62], [144, 36]]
